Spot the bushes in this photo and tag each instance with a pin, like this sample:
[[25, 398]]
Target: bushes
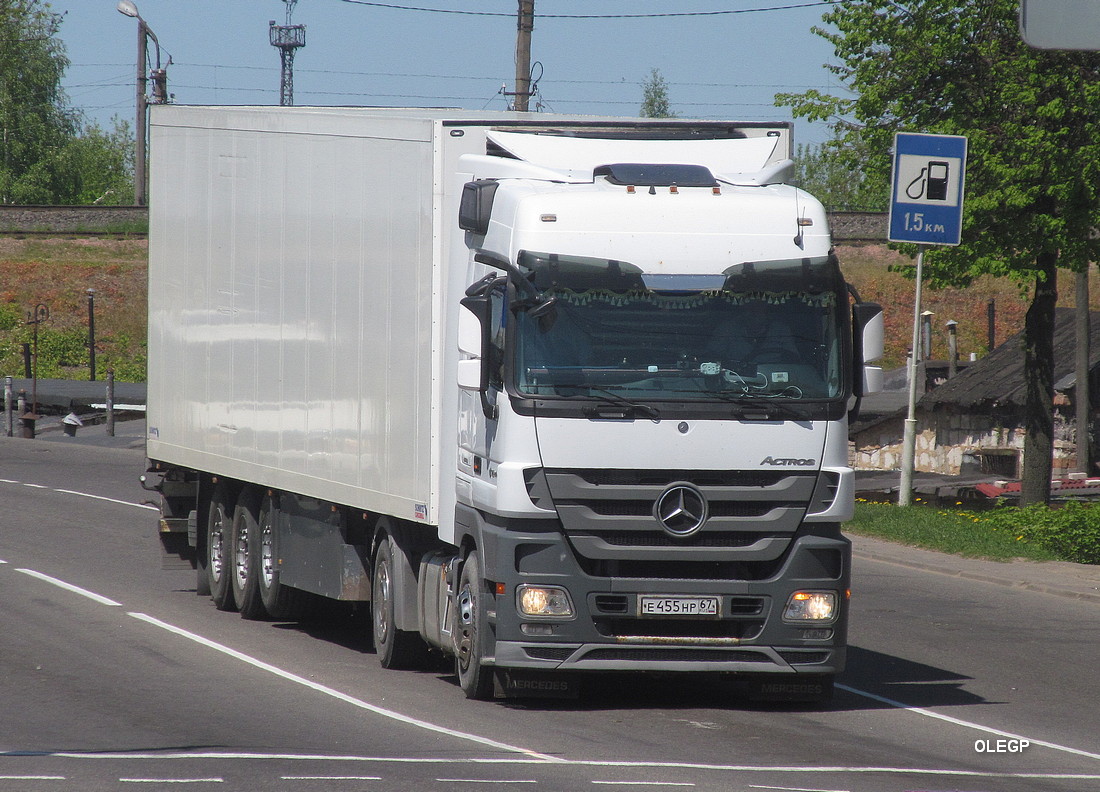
[[1071, 532]]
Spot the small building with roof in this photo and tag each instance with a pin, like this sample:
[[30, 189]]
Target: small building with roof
[[974, 422]]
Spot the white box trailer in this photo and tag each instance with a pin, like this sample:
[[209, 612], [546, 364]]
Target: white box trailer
[[321, 286]]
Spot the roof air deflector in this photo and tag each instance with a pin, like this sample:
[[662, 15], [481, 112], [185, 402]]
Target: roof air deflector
[[652, 175]]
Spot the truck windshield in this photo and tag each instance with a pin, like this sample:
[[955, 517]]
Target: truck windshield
[[760, 330]]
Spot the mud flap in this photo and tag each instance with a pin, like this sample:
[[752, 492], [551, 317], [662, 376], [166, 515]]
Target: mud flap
[[176, 550]]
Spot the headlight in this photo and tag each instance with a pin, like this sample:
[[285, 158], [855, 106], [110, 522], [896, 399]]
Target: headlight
[[550, 601], [804, 606]]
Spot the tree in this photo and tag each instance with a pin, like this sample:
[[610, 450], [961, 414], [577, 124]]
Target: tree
[[33, 118], [47, 155], [833, 173], [655, 102], [1033, 174], [97, 167]]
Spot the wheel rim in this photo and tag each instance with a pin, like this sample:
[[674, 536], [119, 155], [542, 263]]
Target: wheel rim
[[240, 556], [381, 602], [466, 632], [216, 546], [267, 551]]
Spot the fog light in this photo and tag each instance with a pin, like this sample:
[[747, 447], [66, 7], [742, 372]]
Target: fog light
[[544, 601], [537, 629], [811, 606]]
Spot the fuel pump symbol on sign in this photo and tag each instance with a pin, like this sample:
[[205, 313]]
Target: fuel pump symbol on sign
[[931, 183]]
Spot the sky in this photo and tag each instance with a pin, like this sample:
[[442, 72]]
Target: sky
[[717, 65]]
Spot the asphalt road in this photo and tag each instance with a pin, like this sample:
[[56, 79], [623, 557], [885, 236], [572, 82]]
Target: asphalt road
[[114, 675]]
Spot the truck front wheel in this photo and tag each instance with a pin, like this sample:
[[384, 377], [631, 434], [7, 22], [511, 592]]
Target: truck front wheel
[[475, 679]]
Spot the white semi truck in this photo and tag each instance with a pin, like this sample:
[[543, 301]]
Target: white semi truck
[[552, 394]]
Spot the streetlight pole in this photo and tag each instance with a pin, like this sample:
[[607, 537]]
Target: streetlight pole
[[128, 8]]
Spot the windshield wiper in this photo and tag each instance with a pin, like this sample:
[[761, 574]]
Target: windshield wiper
[[760, 407], [618, 404]]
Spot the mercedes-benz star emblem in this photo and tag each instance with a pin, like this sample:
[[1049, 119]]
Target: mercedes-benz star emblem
[[681, 509]]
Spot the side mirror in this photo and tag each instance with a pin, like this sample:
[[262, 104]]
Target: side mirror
[[868, 341], [473, 339], [469, 374], [469, 332], [870, 330]]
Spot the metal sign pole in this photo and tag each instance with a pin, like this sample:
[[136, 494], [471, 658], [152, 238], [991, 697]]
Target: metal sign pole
[[909, 438]]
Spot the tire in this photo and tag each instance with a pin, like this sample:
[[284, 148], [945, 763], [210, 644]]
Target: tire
[[395, 648], [280, 602], [202, 555], [217, 552], [245, 550], [475, 679]]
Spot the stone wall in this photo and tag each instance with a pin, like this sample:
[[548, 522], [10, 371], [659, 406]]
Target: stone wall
[[71, 219]]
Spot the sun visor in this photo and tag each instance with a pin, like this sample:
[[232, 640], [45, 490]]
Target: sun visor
[[583, 155]]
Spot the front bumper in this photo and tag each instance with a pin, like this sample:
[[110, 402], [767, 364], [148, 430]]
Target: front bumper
[[607, 632]]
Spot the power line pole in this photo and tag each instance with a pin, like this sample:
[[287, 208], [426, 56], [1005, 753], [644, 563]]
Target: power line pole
[[287, 38], [525, 23]]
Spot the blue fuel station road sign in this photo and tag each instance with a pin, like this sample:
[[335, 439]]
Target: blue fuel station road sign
[[927, 197]]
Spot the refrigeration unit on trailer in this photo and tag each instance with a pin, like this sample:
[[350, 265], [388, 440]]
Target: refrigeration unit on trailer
[[552, 394]]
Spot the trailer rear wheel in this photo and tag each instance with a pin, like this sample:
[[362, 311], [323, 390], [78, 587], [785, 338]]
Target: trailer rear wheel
[[475, 679], [396, 648], [218, 530], [280, 602], [245, 552]]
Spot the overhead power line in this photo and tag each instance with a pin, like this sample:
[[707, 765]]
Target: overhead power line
[[726, 12]]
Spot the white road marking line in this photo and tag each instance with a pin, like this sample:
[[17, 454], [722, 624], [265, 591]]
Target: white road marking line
[[109, 500], [647, 783], [70, 587], [330, 778], [81, 494], [397, 716], [32, 778], [485, 781], [215, 780], [796, 789], [967, 724]]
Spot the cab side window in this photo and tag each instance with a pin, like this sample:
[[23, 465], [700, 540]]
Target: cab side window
[[498, 302]]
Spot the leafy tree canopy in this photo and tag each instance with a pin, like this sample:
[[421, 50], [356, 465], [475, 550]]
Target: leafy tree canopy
[[1032, 119], [47, 154]]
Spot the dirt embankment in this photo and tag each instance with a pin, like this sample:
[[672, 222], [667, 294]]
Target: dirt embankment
[[58, 272]]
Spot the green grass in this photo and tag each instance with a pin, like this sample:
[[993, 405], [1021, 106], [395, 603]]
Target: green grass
[[969, 534]]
